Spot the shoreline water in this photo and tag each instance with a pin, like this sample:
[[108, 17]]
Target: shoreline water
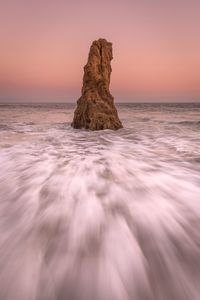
[[100, 215]]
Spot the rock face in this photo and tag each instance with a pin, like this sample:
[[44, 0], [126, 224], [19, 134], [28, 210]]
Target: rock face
[[95, 108]]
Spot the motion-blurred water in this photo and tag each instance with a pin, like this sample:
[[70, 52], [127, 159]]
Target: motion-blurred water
[[100, 215]]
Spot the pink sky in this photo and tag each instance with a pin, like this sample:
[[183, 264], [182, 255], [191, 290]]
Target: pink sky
[[45, 43]]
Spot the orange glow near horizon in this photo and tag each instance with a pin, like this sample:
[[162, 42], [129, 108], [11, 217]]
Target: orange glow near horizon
[[44, 46]]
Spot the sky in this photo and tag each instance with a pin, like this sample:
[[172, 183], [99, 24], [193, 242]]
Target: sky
[[44, 45]]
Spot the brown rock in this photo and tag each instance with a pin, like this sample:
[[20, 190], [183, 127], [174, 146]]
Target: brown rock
[[95, 108]]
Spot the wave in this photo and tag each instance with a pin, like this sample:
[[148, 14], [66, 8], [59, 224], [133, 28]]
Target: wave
[[92, 215], [100, 215], [187, 123]]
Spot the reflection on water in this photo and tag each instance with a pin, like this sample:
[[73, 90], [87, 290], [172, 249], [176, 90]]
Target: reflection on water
[[101, 215]]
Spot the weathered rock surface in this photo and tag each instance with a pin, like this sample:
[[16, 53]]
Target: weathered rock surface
[[95, 108]]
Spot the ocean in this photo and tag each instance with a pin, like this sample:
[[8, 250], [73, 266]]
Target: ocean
[[102, 215]]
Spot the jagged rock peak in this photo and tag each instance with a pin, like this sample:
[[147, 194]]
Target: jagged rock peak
[[95, 108]]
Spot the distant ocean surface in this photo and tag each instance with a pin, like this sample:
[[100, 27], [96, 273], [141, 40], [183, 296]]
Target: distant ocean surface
[[103, 215]]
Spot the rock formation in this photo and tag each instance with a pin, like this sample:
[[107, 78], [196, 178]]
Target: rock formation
[[95, 108]]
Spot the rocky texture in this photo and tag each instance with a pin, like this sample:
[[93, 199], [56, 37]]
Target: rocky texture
[[95, 108]]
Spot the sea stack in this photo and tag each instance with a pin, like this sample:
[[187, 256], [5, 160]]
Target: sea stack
[[95, 108]]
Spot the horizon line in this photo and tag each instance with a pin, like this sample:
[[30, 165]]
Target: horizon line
[[116, 102]]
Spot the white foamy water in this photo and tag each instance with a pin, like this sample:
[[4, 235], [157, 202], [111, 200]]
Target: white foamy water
[[100, 215]]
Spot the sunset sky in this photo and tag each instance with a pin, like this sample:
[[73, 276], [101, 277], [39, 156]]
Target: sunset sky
[[44, 45]]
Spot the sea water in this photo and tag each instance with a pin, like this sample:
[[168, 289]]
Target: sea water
[[103, 215]]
